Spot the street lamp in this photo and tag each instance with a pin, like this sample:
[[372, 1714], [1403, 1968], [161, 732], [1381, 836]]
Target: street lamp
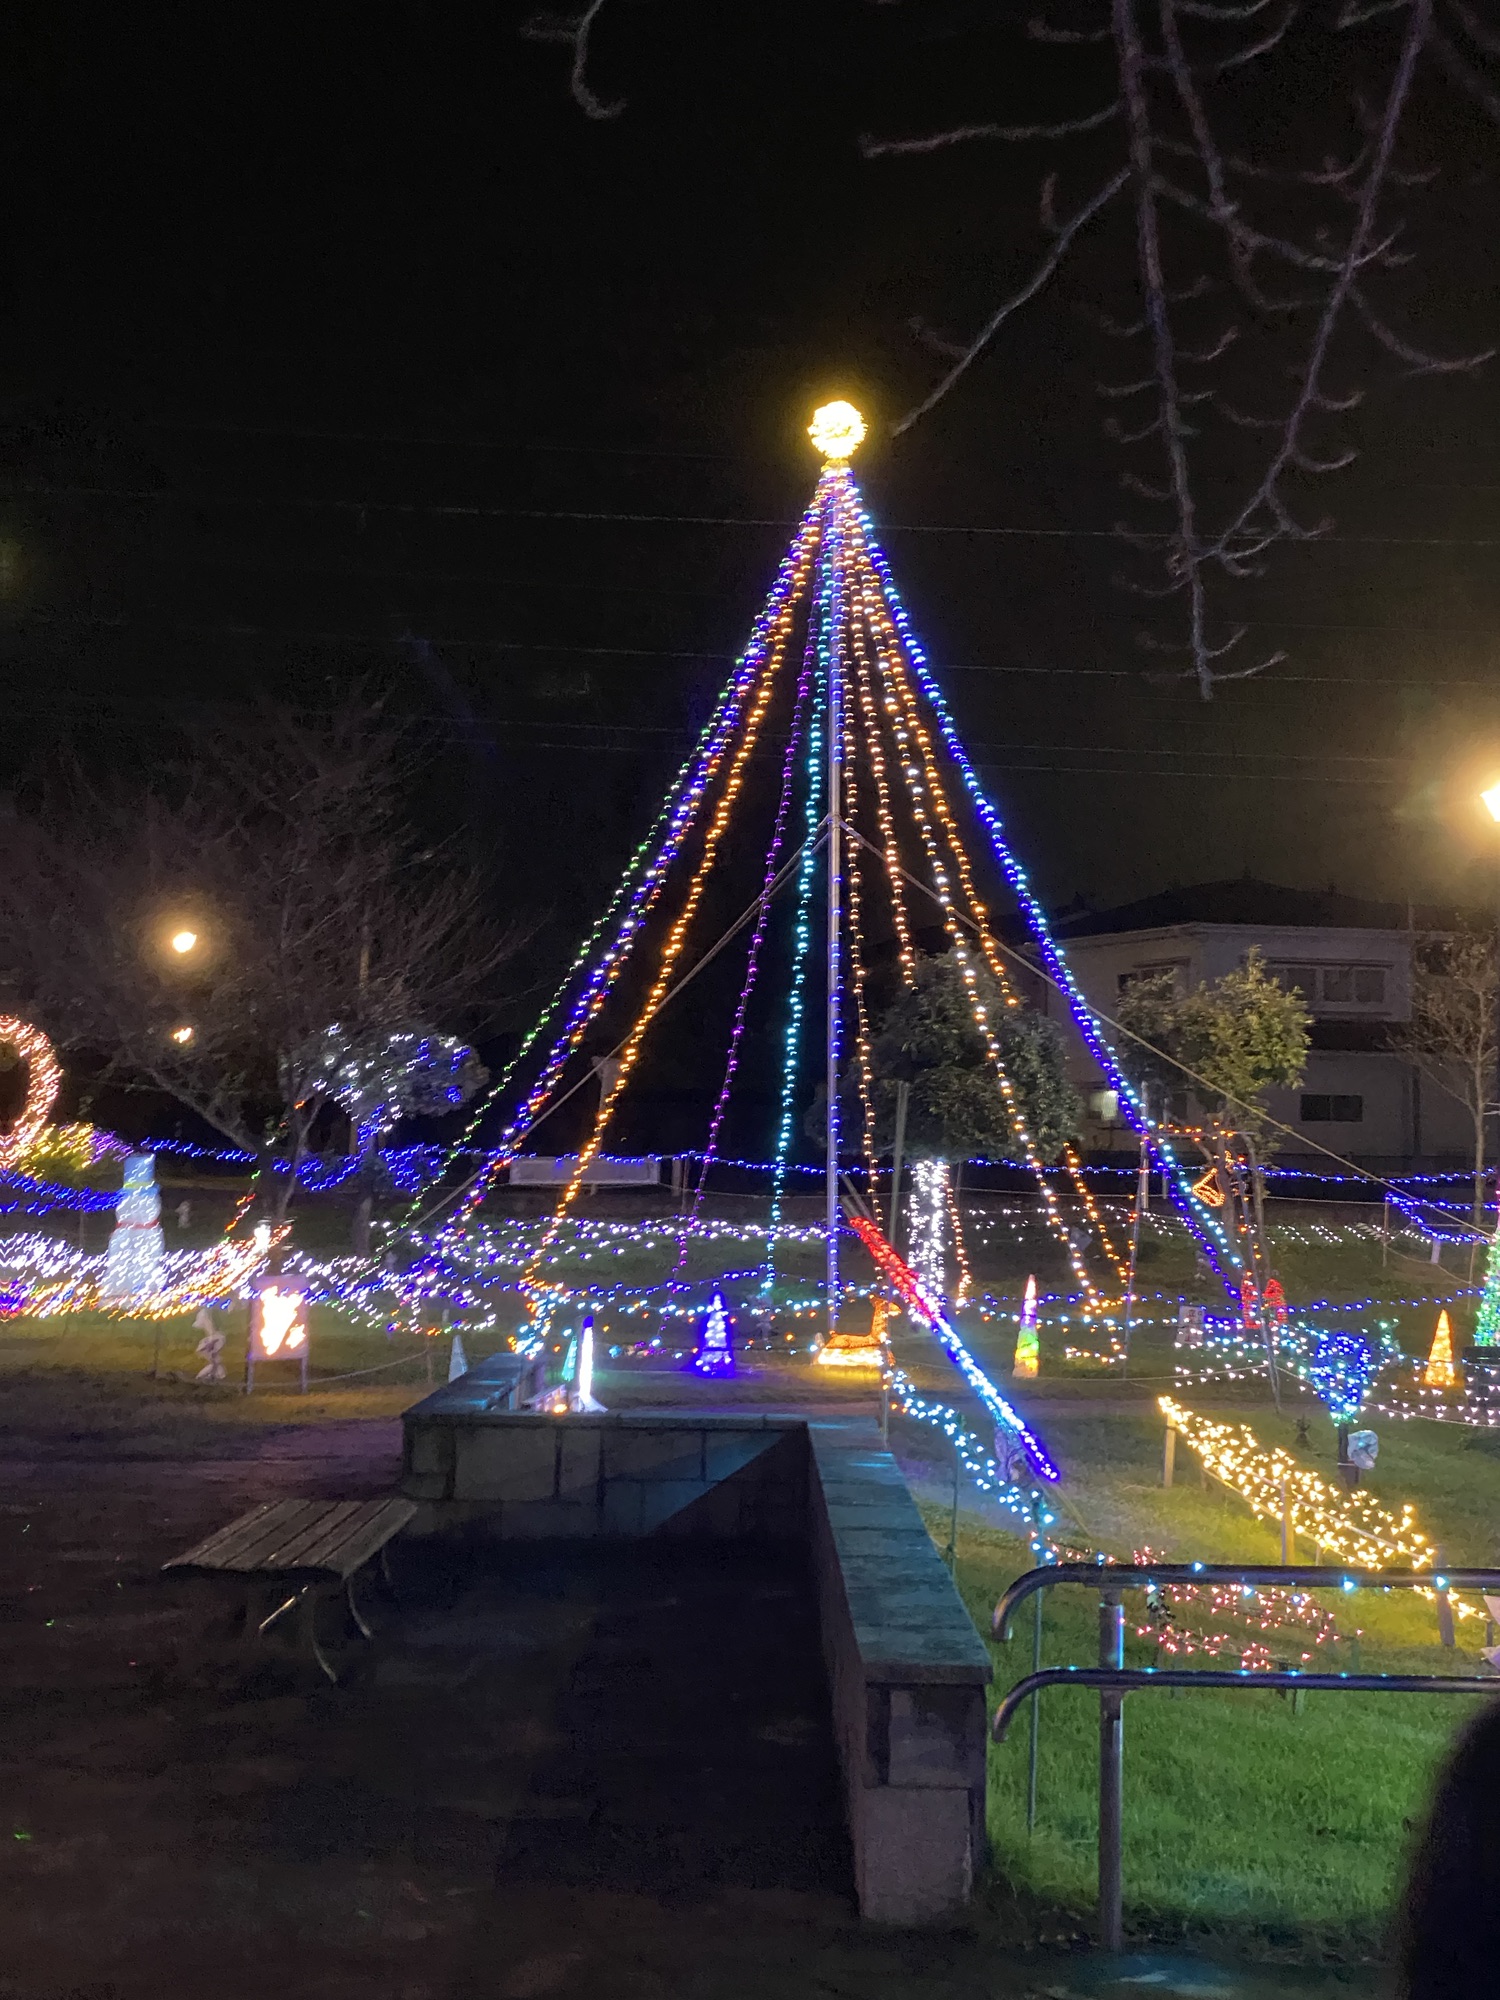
[[1491, 800], [183, 942], [182, 1036]]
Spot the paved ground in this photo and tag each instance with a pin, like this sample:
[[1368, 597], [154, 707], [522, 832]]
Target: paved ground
[[600, 1772]]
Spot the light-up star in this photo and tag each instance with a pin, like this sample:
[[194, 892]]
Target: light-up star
[[279, 1321], [837, 430]]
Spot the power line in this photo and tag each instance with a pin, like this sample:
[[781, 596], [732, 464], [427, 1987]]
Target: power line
[[473, 510], [569, 649]]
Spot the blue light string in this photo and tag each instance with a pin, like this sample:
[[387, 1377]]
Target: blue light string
[[1204, 1226]]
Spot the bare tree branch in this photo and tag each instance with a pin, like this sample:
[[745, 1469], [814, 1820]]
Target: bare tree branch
[[575, 30], [1029, 290], [878, 149]]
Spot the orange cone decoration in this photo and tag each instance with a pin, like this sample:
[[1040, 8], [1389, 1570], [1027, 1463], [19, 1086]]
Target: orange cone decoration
[[1440, 1372]]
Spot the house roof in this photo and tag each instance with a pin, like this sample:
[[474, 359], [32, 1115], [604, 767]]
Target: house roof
[[1247, 901]]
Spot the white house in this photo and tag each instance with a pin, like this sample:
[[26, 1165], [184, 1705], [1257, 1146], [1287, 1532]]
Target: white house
[[1352, 963]]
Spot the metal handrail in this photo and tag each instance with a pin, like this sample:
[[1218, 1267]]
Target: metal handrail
[[1126, 1679], [1115, 1680], [1286, 1576]]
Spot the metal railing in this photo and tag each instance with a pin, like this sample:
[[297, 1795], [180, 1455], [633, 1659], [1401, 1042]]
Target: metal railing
[[1115, 1680]]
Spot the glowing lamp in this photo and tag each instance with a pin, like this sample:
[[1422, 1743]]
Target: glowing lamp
[[1491, 801], [837, 430], [183, 942], [182, 1036], [278, 1322]]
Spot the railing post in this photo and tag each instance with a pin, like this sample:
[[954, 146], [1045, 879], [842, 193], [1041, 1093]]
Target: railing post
[[1169, 1455], [1111, 1775], [1036, 1719], [1446, 1634]]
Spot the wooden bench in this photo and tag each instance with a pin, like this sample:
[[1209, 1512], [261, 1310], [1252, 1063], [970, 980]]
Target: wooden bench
[[296, 1557]]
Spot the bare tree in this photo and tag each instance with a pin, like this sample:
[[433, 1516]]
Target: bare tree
[[1451, 1036], [319, 920], [1229, 274]]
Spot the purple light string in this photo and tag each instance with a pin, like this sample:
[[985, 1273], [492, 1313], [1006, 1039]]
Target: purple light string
[[591, 999], [752, 963], [1215, 1244]]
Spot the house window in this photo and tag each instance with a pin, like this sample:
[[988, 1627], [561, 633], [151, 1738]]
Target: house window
[[1105, 1106], [1318, 1110], [1177, 967], [1331, 985]]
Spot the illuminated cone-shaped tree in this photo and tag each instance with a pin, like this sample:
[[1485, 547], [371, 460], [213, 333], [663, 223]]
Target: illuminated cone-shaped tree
[[1440, 1372], [1028, 1346], [715, 1350], [1487, 1329], [879, 830]]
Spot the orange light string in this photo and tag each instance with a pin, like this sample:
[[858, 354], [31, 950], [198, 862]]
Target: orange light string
[[1095, 1215], [676, 937], [961, 1249], [892, 670]]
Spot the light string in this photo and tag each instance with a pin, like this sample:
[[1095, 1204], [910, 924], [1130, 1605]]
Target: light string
[[757, 939], [768, 637], [863, 1070], [1096, 1219], [965, 1286], [899, 706], [832, 647], [923, 1307], [671, 950], [796, 999], [1202, 1223], [696, 760]]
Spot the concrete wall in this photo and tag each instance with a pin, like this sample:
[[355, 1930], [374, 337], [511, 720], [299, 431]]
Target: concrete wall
[[907, 1671]]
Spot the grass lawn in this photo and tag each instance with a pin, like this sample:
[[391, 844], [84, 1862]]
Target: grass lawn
[[1248, 1822]]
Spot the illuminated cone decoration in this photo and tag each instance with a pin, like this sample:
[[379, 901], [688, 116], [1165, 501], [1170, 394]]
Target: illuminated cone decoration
[[1028, 1346], [879, 828], [1440, 1372], [1487, 1330]]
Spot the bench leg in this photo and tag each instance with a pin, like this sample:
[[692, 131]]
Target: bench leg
[[311, 1599], [354, 1611]]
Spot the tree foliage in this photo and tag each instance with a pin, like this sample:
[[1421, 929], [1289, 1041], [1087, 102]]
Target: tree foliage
[[1226, 1044], [1451, 1035], [317, 906], [956, 1109]]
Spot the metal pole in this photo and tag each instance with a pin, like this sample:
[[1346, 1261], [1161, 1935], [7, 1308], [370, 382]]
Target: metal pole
[[1036, 1717], [903, 1098], [835, 1217], [953, 1519], [1111, 1776], [1169, 1455], [1286, 1524]]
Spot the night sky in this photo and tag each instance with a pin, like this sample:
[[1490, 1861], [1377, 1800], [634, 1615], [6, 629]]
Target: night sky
[[331, 353]]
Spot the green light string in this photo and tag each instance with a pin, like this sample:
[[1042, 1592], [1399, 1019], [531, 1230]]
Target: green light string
[[802, 949]]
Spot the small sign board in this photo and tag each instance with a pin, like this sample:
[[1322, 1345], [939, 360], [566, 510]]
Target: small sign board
[[541, 1170]]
